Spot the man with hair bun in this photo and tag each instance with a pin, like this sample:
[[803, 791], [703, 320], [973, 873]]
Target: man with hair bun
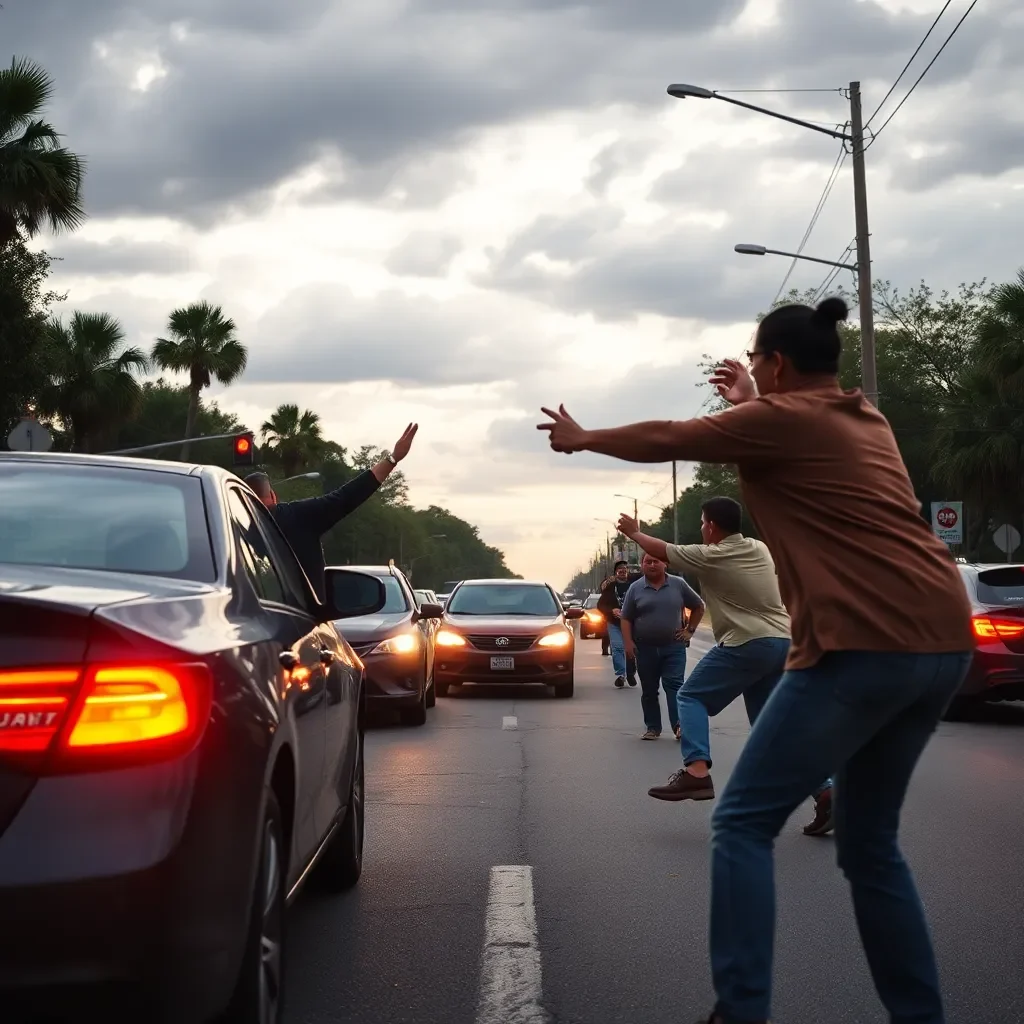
[[865, 685]]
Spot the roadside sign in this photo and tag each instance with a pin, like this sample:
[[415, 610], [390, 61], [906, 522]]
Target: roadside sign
[[948, 521], [1006, 538], [30, 436]]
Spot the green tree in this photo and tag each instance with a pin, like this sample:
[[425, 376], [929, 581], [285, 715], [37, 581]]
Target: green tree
[[24, 310], [40, 180], [163, 406], [202, 343], [92, 386], [394, 490], [293, 438]]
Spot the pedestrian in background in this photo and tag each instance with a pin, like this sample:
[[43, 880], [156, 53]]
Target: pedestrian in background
[[613, 593], [751, 626], [866, 683], [659, 616]]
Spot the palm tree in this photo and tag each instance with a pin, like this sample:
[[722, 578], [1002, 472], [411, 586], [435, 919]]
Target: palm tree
[[40, 180], [1000, 348], [293, 437], [203, 345], [92, 385]]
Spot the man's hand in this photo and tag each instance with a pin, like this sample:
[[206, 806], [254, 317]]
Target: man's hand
[[685, 633], [630, 650], [628, 526], [564, 433], [733, 382], [404, 443], [617, 612]]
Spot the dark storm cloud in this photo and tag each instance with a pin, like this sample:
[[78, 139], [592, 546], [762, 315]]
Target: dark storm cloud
[[322, 334], [257, 90]]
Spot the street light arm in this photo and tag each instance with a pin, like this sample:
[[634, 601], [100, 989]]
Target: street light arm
[[810, 259], [681, 92]]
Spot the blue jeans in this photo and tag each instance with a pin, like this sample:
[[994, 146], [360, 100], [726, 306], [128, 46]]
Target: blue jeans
[[723, 674], [621, 665], [664, 666], [865, 717]]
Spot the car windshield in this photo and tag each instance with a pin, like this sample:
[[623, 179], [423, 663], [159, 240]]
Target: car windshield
[[591, 602], [396, 602], [503, 599], [1002, 585], [95, 517]]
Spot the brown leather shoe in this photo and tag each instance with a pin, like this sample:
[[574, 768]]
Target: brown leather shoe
[[683, 786], [650, 735], [823, 822]]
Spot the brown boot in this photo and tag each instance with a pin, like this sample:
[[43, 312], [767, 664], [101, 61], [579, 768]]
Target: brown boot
[[822, 823], [684, 786]]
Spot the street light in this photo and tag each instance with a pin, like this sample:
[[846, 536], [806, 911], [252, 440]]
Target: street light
[[301, 476], [869, 377], [759, 250]]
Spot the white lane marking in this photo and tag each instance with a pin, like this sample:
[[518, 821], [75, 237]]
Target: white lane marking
[[510, 722], [510, 975]]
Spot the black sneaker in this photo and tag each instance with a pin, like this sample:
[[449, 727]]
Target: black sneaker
[[823, 822], [619, 682], [632, 680]]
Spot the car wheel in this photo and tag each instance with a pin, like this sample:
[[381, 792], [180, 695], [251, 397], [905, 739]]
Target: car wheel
[[257, 998], [342, 862], [564, 689], [417, 715], [441, 689]]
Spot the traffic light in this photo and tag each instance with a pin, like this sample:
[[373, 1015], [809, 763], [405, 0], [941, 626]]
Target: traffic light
[[244, 450]]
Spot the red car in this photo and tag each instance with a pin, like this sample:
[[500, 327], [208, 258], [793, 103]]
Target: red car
[[505, 631], [997, 673]]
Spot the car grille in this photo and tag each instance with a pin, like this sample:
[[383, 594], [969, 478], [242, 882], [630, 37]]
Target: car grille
[[484, 642]]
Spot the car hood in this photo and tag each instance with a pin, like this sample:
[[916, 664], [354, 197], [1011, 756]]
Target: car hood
[[372, 627], [512, 625]]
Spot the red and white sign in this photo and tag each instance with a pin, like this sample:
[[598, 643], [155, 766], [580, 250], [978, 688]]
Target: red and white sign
[[948, 521]]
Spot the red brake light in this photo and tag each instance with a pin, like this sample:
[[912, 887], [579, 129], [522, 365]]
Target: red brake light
[[988, 628], [64, 717]]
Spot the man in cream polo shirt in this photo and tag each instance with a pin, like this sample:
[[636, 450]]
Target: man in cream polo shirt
[[751, 626]]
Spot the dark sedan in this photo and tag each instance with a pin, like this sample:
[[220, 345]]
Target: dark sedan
[[396, 644], [593, 625], [505, 631], [181, 742], [997, 672]]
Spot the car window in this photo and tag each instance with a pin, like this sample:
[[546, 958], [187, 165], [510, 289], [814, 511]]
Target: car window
[[254, 551], [396, 600], [1004, 585], [297, 589], [591, 602], [96, 517], [503, 599]]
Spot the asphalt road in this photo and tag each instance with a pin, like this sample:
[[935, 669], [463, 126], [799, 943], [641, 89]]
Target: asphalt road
[[620, 881]]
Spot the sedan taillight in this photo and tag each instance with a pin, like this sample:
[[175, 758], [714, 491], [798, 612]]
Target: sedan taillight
[[988, 627], [62, 718]]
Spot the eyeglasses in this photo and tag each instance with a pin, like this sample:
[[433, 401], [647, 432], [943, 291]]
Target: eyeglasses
[[755, 352]]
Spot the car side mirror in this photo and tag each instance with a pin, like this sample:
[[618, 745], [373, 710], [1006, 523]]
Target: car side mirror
[[574, 613], [351, 594], [429, 611]]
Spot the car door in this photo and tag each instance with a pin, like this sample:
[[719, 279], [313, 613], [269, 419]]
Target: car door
[[427, 627], [301, 683], [342, 677]]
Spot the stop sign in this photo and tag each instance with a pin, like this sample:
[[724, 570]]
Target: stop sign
[[947, 518]]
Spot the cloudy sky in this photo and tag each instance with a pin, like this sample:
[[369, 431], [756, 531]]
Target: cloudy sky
[[453, 211]]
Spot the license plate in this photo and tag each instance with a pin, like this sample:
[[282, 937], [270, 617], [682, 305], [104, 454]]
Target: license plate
[[502, 664]]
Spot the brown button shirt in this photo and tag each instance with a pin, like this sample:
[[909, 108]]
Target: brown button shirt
[[859, 568]]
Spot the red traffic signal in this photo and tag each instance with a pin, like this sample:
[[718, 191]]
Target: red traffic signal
[[244, 450]]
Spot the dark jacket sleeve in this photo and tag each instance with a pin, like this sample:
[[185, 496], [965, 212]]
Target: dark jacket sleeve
[[607, 602], [318, 515]]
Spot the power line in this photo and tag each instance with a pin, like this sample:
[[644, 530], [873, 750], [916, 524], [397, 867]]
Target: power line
[[834, 272], [906, 66], [956, 28]]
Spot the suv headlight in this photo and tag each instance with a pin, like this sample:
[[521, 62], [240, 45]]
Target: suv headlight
[[560, 639], [404, 643]]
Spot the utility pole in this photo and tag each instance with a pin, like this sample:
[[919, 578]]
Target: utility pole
[[675, 506], [868, 372]]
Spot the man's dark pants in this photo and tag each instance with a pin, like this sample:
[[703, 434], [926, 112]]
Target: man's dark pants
[[864, 717], [660, 665]]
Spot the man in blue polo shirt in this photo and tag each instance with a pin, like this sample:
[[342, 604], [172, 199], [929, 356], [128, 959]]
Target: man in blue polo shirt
[[656, 632]]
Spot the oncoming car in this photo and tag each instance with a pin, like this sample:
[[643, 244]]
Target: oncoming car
[[505, 631], [181, 742], [592, 625]]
